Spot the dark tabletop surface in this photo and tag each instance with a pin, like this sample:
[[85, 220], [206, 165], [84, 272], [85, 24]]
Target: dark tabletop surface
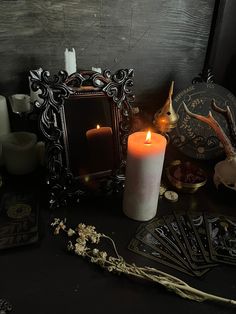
[[44, 278]]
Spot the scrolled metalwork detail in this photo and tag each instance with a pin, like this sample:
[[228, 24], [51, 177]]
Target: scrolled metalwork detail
[[206, 76], [54, 90], [5, 306], [119, 87]]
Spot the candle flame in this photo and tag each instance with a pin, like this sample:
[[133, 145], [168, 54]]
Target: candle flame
[[148, 137], [98, 126]]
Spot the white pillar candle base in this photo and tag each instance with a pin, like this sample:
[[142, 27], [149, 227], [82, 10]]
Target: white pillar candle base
[[4, 118], [143, 175], [142, 187]]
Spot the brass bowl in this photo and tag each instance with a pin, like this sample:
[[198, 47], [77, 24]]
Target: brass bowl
[[186, 176]]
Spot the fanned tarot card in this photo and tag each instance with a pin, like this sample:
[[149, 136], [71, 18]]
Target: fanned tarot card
[[147, 238], [198, 224], [221, 231], [198, 268], [160, 230], [145, 250], [191, 240]]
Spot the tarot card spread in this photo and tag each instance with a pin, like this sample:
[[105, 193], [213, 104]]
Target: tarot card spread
[[163, 234], [197, 259], [147, 251], [149, 240], [189, 242]]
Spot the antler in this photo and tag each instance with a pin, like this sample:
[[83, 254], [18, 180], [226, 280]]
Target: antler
[[209, 119], [227, 114]]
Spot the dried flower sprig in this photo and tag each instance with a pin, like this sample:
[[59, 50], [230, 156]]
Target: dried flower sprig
[[84, 235]]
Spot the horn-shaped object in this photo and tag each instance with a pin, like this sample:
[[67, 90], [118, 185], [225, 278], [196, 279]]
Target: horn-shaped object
[[210, 120], [225, 171], [228, 115]]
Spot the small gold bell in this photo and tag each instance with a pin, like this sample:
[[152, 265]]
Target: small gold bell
[[166, 118]]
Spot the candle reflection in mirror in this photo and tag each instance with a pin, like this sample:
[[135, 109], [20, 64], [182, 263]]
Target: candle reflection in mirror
[[100, 149]]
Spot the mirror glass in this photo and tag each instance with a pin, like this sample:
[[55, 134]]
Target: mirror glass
[[89, 140]]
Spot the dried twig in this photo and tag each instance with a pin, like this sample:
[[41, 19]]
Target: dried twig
[[83, 235]]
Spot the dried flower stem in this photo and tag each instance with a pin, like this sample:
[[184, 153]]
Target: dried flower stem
[[87, 234]]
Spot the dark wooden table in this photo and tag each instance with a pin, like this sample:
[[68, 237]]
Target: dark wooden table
[[44, 278]]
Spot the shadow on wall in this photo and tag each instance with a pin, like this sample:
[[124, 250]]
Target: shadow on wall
[[152, 100], [17, 77]]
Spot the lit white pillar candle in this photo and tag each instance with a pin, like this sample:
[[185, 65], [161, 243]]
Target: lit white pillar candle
[[145, 159], [70, 61]]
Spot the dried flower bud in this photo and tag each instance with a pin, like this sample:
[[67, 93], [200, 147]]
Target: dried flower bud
[[55, 222], [70, 246], [70, 232], [80, 249], [95, 252]]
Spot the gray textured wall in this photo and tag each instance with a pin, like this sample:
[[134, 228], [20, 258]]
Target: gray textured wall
[[162, 40], [223, 56]]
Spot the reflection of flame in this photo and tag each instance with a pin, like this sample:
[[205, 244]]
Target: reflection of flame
[[86, 178], [98, 126], [164, 123], [148, 138]]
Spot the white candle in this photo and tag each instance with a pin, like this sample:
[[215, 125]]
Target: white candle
[[4, 118], [100, 149], [70, 61], [143, 175], [20, 103], [19, 152], [4, 122]]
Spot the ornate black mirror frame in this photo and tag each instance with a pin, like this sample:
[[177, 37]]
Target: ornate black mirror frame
[[54, 90]]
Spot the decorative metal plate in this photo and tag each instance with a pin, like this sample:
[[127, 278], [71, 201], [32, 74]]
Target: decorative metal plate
[[195, 138], [5, 306]]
